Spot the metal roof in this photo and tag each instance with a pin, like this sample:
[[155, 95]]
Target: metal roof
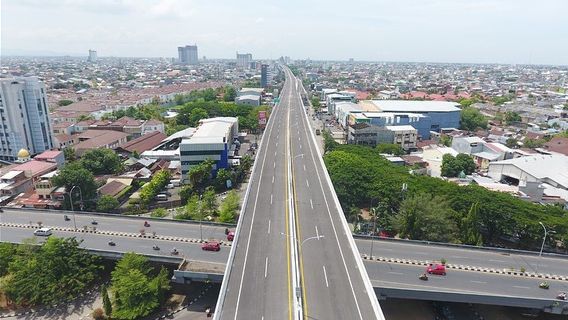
[[415, 106]]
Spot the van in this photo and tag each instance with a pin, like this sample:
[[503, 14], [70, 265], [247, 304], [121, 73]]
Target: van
[[44, 232], [162, 197]]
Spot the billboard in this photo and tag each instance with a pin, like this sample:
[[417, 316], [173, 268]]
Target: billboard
[[262, 118]]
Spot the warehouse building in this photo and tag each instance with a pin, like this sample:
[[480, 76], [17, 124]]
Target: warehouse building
[[212, 140], [442, 114]]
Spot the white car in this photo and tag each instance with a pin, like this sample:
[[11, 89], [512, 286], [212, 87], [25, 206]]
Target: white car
[[44, 232]]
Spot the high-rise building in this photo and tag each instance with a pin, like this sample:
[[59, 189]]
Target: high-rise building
[[265, 76], [24, 117], [244, 60], [92, 56], [188, 54]]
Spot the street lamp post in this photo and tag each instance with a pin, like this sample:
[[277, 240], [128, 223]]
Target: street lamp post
[[71, 202], [374, 212], [546, 232], [200, 219]]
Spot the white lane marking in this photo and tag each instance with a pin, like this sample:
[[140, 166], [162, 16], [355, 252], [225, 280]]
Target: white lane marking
[[274, 165], [269, 226], [475, 281], [304, 167], [521, 287], [276, 143], [242, 277], [300, 146], [266, 267], [321, 184], [317, 233], [497, 260], [397, 273], [325, 276], [299, 139], [308, 183], [272, 179], [275, 153], [270, 200], [458, 257], [311, 204]]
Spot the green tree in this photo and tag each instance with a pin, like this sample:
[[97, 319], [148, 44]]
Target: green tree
[[390, 148], [221, 179], [424, 217], [151, 189], [107, 203], [55, 271], [316, 103], [229, 207], [107, 305], [329, 144], [230, 94], [511, 117], [7, 254], [453, 166], [159, 213], [64, 102], [102, 161], [191, 211], [137, 292], [200, 175], [196, 115], [69, 154], [472, 119], [512, 143], [185, 192], [209, 201], [446, 140], [74, 174]]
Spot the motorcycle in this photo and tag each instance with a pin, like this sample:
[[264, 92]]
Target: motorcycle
[[66, 218], [94, 222], [146, 224], [155, 247], [544, 285], [561, 296], [175, 252], [111, 243], [423, 277]]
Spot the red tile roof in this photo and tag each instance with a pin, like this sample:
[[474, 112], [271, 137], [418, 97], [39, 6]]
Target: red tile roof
[[145, 142], [558, 144], [112, 188]]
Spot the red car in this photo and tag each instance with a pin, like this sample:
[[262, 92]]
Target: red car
[[211, 246], [230, 235], [436, 268]]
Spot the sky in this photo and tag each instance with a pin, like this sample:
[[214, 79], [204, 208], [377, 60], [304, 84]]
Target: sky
[[470, 31]]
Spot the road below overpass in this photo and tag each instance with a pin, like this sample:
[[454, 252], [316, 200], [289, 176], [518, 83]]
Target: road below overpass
[[484, 258], [382, 274], [492, 259], [115, 223], [190, 251]]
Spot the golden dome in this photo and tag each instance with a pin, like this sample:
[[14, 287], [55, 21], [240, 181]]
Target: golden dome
[[23, 153]]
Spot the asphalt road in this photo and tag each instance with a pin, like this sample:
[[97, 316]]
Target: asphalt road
[[191, 251], [258, 284], [392, 275], [466, 257], [333, 285], [111, 223]]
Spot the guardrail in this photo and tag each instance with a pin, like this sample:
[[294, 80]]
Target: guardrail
[[462, 246], [118, 216]]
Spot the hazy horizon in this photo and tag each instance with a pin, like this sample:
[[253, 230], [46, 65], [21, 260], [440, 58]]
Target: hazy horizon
[[429, 31]]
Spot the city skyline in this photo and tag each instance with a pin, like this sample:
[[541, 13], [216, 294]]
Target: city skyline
[[505, 31]]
